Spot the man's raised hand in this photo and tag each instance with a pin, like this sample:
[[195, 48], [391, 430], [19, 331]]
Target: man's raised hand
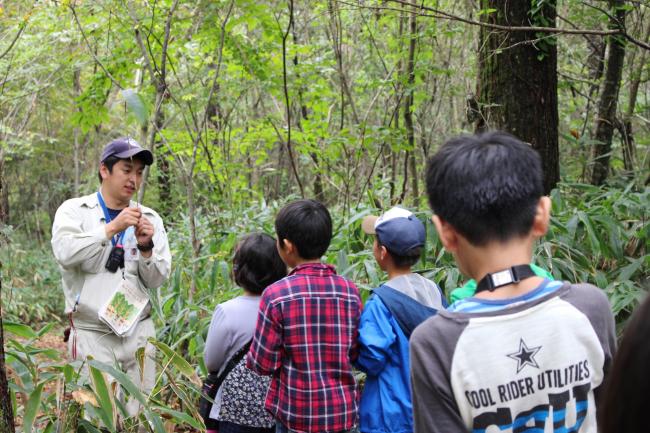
[[130, 216], [144, 231], [144, 234]]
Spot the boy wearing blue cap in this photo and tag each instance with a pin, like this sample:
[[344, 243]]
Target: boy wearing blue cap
[[391, 313]]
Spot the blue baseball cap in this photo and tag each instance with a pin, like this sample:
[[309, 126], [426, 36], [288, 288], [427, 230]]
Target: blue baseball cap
[[398, 229], [125, 148]]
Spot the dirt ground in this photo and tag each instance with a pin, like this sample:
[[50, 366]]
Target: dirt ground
[[53, 340]]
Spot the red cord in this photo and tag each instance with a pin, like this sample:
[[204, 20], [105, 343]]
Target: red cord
[[73, 331]]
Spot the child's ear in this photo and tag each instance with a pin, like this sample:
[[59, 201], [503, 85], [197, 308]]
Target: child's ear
[[446, 233], [288, 246], [383, 252], [542, 217]]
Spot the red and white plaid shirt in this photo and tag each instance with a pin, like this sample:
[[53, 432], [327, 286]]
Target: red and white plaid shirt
[[306, 337]]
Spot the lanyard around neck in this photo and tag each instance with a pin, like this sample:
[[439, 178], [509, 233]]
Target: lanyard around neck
[[107, 217]]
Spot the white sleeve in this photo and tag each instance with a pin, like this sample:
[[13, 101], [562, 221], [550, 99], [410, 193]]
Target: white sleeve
[[72, 246]]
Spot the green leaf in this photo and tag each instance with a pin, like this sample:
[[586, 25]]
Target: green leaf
[[451, 282], [50, 428], [177, 361], [44, 330], [88, 427], [124, 380], [371, 270], [593, 239], [486, 11], [629, 270], [342, 260], [31, 408], [183, 417], [104, 398], [68, 372], [136, 105], [601, 279], [185, 398], [19, 329], [224, 269]]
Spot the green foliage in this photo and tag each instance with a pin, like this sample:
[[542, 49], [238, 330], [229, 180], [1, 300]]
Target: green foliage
[[91, 109], [57, 397], [31, 290], [601, 236]]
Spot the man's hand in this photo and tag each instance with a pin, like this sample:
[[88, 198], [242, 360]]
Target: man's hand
[[130, 216], [144, 234]]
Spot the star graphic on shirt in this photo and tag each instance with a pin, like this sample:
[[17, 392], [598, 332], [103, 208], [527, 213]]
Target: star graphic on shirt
[[525, 355]]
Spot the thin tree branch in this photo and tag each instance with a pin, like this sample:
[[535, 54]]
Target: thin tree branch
[[143, 50], [437, 13], [285, 35], [13, 42], [83, 34], [214, 87], [168, 25]]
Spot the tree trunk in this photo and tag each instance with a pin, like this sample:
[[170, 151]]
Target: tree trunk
[[517, 82], [6, 410], [335, 26], [629, 148], [596, 64], [159, 80], [287, 101], [304, 114], [399, 89], [393, 175], [157, 147], [164, 176], [606, 117], [408, 109]]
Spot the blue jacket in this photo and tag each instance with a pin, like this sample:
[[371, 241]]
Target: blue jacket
[[384, 357]]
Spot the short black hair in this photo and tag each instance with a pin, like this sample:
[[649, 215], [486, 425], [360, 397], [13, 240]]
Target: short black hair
[[256, 263], [404, 260], [486, 186], [112, 160], [109, 163], [308, 225]]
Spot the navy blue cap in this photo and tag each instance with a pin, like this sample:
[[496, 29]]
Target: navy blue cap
[[399, 230], [124, 148]]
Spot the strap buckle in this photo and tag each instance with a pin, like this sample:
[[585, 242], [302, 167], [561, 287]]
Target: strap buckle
[[502, 278]]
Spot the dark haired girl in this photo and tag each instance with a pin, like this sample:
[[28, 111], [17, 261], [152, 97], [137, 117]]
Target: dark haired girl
[[239, 403]]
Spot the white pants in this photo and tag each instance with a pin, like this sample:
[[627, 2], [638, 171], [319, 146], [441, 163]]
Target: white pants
[[110, 349]]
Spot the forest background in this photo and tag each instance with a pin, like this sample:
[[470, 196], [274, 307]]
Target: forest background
[[249, 104]]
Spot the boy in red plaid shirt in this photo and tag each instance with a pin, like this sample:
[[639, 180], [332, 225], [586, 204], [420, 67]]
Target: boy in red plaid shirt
[[306, 335]]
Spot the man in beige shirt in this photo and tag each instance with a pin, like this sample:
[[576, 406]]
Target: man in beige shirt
[[89, 236]]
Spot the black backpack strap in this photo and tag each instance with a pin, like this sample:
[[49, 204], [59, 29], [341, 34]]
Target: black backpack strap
[[214, 380], [233, 361]]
